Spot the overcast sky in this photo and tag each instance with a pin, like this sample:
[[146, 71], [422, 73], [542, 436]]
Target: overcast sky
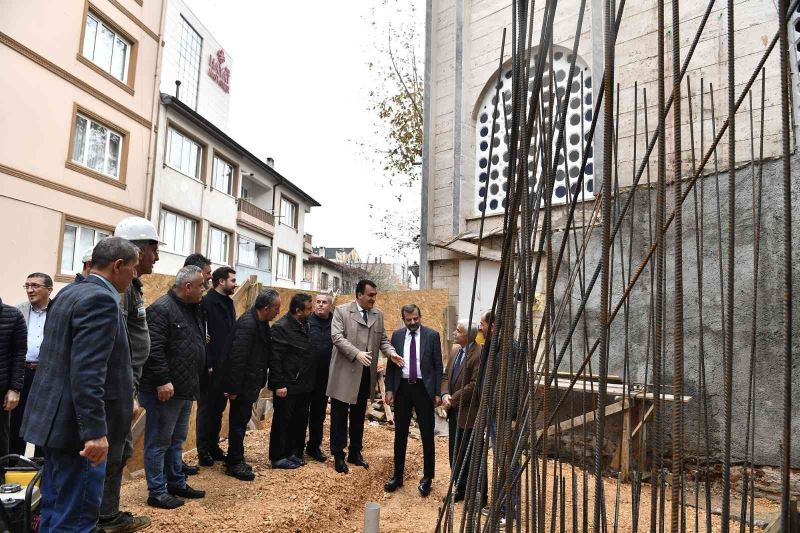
[[299, 88]]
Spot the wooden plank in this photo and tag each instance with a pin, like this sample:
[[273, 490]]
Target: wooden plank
[[586, 418], [642, 421]]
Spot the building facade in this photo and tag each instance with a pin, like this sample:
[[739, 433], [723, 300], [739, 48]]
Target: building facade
[[325, 275], [80, 101], [211, 195]]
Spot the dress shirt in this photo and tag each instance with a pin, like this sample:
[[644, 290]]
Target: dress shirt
[[35, 334], [407, 355]]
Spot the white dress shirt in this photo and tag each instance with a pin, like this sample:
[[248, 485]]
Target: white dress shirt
[[407, 355], [35, 334]]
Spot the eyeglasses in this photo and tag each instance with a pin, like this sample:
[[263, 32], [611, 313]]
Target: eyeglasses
[[32, 286]]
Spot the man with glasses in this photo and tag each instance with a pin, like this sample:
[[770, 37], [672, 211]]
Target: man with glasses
[[38, 286]]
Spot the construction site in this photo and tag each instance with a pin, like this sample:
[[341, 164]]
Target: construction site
[[623, 196], [611, 186]]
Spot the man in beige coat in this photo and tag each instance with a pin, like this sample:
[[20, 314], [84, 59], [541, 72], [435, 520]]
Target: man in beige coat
[[358, 334]]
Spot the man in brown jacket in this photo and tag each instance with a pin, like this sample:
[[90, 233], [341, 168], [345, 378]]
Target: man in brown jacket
[[461, 397], [358, 334]]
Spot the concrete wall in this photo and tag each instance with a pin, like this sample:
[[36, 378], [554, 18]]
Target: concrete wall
[[769, 348]]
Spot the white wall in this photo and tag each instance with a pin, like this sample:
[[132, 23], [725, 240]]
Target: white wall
[[484, 291]]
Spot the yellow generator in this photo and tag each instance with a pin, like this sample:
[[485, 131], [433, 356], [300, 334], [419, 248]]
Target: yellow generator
[[20, 494]]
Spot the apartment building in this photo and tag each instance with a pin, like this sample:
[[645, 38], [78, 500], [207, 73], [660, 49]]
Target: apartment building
[[80, 98], [211, 195]]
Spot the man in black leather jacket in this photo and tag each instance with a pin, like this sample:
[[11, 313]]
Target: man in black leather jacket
[[244, 374], [292, 370]]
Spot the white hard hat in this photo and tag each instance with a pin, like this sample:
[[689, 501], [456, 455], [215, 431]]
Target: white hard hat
[[136, 229], [87, 255]]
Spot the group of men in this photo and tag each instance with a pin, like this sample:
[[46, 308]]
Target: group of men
[[75, 369]]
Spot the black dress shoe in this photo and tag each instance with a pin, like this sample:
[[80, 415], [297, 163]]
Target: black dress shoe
[[187, 492], [240, 472], [284, 464], [341, 466], [189, 470], [299, 461], [393, 484], [317, 455], [425, 486], [358, 460], [205, 459], [164, 501]]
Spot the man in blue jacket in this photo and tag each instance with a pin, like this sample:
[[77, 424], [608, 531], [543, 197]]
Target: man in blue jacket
[[84, 378]]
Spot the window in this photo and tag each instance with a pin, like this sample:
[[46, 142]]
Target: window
[[285, 265], [183, 154], [77, 240], [218, 246], [189, 50], [491, 176], [323, 281], [222, 175], [288, 213], [254, 254], [106, 48], [336, 283], [96, 146], [177, 232]]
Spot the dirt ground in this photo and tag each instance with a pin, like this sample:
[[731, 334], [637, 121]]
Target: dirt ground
[[316, 499]]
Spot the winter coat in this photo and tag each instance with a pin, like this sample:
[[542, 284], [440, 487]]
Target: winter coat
[[245, 371], [350, 335], [463, 387], [133, 309], [293, 364], [13, 347], [319, 330], [177, 347]]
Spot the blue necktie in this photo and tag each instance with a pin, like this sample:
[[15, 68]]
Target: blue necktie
[[364, 314]]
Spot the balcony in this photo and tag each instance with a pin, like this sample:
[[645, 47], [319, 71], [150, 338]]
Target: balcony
[[251, 216], [307, 248]]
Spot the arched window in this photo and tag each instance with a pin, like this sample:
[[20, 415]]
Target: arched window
[[491, 177]]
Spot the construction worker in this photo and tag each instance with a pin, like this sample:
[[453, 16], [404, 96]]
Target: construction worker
[[142, 233]]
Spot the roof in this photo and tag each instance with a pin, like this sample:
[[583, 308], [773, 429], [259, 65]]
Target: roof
[[334, 265], [221, 136]]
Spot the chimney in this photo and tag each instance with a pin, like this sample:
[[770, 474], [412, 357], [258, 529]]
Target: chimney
[[270, 162], [177, 89]]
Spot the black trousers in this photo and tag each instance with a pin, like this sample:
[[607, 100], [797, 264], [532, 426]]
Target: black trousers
[[239, 416], [120, 449], [4, 431], [317, 408], [413, 396], [289, 418], [341, 412], [16, 442], [211, 404], [464, 446]]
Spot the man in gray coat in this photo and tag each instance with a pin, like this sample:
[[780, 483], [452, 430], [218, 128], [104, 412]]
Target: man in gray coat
[[358, 334]]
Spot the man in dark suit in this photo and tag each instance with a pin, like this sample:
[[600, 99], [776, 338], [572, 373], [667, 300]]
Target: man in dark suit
[[414, 385], [220, 316], [84, 378], [244, 374], [292, 369]]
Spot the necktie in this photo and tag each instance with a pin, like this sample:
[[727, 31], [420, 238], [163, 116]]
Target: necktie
[[412, 372], [457, 365], [364, 313]]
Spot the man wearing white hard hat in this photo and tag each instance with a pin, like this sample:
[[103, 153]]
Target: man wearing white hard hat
[[86, 259], [142, 233]]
